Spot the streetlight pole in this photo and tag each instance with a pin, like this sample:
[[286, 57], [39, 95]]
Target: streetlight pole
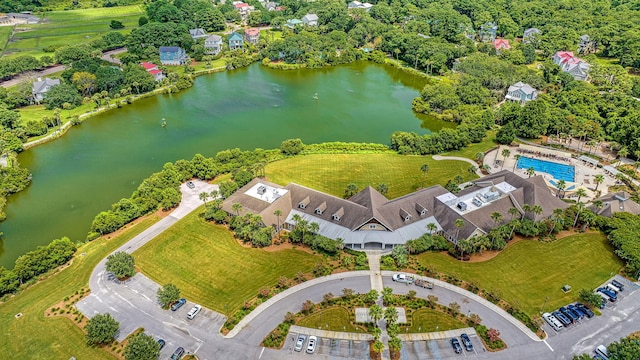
[[543, 304]]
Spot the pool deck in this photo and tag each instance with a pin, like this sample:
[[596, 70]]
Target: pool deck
[[584, 173]]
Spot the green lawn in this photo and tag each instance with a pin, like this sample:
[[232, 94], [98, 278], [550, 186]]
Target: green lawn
[[529, 271], [208, 265], [69, 28], [429, 320], [471, 150], [332, 172], [35, 337], [5, 32], [332, 319]]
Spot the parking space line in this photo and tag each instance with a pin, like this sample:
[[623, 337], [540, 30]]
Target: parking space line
[[261, 352], [546, 343]]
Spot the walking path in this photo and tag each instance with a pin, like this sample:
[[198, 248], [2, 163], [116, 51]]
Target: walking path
[[437, 335], [458, 158], [331, 334], [373, 257]]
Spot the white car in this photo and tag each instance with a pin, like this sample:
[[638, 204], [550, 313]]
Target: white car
[[311, 346], [300, 343], [193, 312], [402, 278]]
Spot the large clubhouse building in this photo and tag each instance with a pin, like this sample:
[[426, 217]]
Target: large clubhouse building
[[369, 218]]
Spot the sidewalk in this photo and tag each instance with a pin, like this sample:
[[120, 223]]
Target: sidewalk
[[437, 335], [331, 334], [373, 257], [457, 158]]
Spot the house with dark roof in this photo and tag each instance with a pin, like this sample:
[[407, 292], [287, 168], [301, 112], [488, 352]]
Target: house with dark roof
[[197, 33], [488, 32], [41, 87], [213, 44], [571, 64], [173, 55], [521, 92], [616, 202], [369, 218], [586, 45], [530, 35], [236, 41]]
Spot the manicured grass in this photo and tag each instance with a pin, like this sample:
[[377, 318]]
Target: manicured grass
[[332, 319], [5, 32], [470, 151], [429, 320], [529, 271], [35, 337], [208, 265], [70, 28], [332, 172]]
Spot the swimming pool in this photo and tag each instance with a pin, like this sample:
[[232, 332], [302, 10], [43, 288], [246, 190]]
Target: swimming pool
[[557, 170]]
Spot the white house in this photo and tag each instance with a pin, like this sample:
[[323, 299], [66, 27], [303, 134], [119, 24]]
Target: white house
[[359, 5], [213, 44], [310, 20], [197, 33], [571, 64]]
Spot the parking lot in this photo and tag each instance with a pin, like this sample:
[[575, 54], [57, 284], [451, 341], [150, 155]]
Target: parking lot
[[438, 349], [328, 348]]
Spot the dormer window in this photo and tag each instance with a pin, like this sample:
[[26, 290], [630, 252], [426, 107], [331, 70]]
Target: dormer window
[[303, 204], [338, 214], [335, 217], [423, 212], [405, 215], [320, 209], [421, 209]]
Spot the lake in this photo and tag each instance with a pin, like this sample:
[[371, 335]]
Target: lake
[[105, 158]]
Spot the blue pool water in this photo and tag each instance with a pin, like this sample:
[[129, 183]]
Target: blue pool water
[[558, 171]]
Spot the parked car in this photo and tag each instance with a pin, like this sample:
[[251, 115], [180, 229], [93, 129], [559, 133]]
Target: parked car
[[552, 321], [161, 343], [178, 304], [576, 311], [455, 344], [612, 297], [191, 185], [466, 342], [402, 278], [585, 310], [563, 319], [300, 342], [424, 283], [311, 346], [614, 289], [193, 312], [568, 314], [618, 284], [602, 351], [178, 353]]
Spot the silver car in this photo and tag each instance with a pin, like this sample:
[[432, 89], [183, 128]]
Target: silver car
[[300, 342], [311, 346]]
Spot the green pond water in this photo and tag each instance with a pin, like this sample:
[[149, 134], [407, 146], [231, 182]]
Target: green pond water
[[105, 158]]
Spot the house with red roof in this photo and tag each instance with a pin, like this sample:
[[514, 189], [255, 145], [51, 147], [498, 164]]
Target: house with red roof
[[152, 69], [252, 35], [501, 44], [572, 64]]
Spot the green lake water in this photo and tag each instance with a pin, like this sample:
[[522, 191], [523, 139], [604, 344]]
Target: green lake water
[[105, 158]]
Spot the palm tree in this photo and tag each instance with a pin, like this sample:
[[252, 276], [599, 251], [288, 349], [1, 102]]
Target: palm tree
[[296, 218], [505, 154], [580, 206], [204, 197], [459, 224], [526, 208], [514, 225], [622, 153], [214, 194], [432, 227], [513, 212], [598, 204], [599, 178], [557, 215], [479, 157], [536, 210], [496, 217], [472, 169], [378, 346], [391, 314], [278, 213], [581, 192], [560, 185], [382, 188], [314, 227], [425, 169], [531, 171], [517, 157], [395, 344], [375, 313], [237, 207], [351, 190]]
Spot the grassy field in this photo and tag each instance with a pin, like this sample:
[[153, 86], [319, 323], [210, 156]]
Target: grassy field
[[332, 319], [332, 172], [208, 265], [471, 150], [529, 271], [5, 32], [429, 320], [35, 337], [70, 27]]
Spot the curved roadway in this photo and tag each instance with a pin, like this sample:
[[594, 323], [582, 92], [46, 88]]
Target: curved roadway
[[133, 304]]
